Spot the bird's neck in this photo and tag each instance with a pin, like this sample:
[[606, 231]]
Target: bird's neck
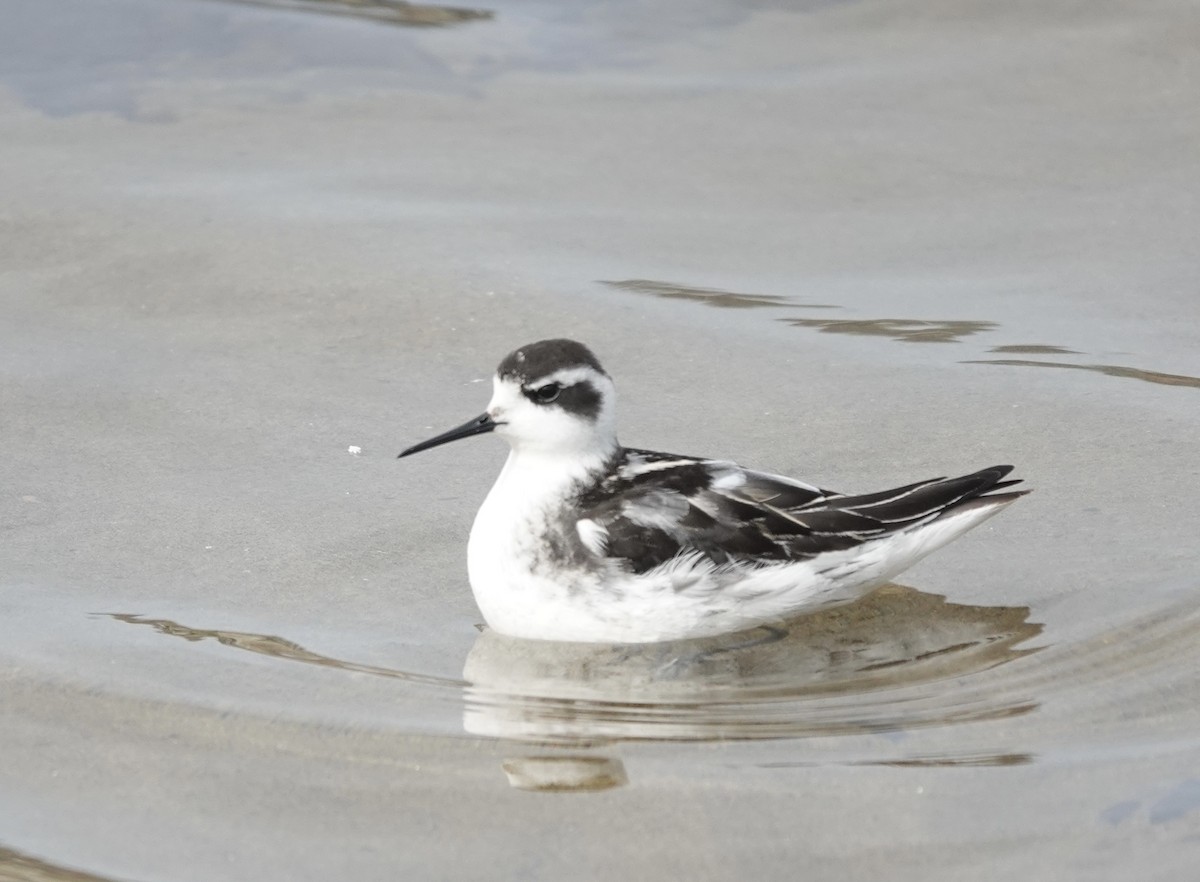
[[537, 473]]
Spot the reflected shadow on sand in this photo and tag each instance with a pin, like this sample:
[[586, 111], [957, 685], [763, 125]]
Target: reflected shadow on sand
[[714, 297], [18, 867], [1034, 349], [565, 773], [1111, 370], [901, 330], [394, 12], [268, 644], [970, 760]]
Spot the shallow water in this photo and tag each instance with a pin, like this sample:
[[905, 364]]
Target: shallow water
[[256, 251]]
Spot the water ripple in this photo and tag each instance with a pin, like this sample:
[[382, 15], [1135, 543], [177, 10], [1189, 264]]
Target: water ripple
[[1109, 370], [878, 664]]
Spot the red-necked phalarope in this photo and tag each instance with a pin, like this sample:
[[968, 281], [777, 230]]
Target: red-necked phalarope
[[582, 539]]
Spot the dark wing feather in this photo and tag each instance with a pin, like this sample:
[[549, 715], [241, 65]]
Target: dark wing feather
[[653, 506]]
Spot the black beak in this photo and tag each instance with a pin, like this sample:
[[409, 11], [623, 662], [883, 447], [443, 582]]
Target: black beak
[[479, 425]]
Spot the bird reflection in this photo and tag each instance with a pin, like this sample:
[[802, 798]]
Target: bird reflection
[[897, 659], [884, 663]]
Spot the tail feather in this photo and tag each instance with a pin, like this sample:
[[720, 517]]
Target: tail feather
[[930, 499]]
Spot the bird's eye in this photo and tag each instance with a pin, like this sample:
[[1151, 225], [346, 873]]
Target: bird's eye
[[546, 394]]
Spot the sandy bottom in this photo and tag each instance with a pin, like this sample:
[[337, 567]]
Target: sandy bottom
[[251, 251]]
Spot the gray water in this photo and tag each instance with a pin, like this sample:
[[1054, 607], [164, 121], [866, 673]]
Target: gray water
[[861, 243]]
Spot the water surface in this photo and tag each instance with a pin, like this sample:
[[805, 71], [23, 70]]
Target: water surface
[[246, 238]]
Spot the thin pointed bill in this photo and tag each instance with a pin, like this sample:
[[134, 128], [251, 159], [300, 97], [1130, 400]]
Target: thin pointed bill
[[479, 425]]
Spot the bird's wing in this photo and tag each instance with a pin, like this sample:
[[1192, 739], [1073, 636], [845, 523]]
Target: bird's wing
[[655, 506]]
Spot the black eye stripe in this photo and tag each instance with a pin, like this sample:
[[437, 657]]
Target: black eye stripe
[[581, 398], [542, 394]]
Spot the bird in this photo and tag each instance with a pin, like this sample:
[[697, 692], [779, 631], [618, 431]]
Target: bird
[[583, 540]]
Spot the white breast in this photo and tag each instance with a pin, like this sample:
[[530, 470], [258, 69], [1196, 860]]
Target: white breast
[[511, 576]]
